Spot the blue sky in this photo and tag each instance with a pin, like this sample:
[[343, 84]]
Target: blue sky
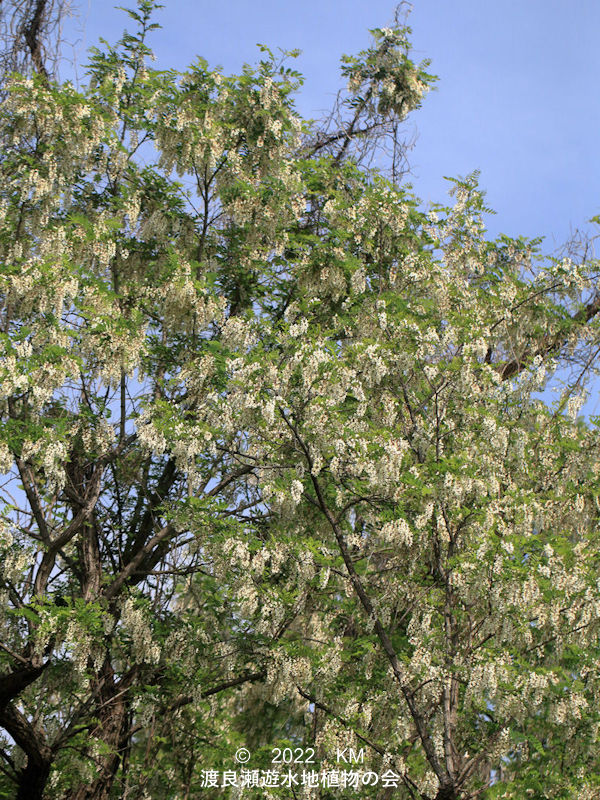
[[517, 95]]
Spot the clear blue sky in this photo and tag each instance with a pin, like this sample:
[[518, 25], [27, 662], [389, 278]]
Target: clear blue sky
[[517, 95]]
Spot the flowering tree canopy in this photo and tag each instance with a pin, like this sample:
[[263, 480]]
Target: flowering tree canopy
[[275, 464]]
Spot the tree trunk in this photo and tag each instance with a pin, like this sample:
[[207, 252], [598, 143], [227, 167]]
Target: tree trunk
[[111, 730], [447, 792], [33, 779], [31, 739]]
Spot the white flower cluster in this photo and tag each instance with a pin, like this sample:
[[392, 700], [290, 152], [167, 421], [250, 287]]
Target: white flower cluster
[[135, 623]]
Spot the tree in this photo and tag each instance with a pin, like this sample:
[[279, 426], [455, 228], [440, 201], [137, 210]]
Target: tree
[[30, 32], [450, 516], [276, 469]]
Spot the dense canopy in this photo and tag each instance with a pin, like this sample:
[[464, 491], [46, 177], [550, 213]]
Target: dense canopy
[[277, 467]]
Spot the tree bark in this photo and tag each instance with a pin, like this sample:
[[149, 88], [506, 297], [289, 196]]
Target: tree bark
[[112, 730], [448, 792], [33, 777]]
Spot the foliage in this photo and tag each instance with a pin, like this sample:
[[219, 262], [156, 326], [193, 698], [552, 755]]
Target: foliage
[[276, 466]]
